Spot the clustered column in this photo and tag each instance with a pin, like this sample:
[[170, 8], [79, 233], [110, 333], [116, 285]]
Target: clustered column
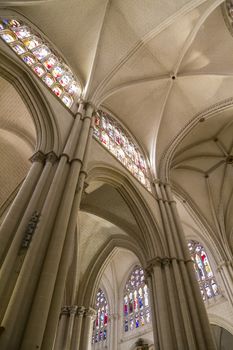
[[35, 240], [180, 318]]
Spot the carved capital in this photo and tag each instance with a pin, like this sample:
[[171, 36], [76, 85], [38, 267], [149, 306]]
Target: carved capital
[[64, 311], [38, 157], [72, 309], [90, 313], [80, 311], [51, 157]]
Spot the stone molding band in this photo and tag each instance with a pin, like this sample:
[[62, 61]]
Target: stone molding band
[[42, 157], [158, 261], [78, 311]]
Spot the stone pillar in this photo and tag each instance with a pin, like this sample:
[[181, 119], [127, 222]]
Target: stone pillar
[[27, 311], [77, 329], [61, 331], [87, 329], [225, 270], [15, 213], [179, 313]]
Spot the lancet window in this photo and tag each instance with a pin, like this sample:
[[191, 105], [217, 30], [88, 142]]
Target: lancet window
[[120, 144], [136, 308], [100, 326], [204, 273], [41, 58]]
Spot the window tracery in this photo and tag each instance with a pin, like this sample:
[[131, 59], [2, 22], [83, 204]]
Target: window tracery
[[41, 58], [136, 308], [203, 271], [101, 323], [119, 143]]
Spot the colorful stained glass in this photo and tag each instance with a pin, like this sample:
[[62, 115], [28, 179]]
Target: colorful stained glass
[[57, 90], [136, 307], [8, 37], [203, 271], [39, 70], [50, 62], [74, 89], [58, 71], [32, 42], [101, 323], [21, 38], [67, 100], [19, 48], [41, 52], [22, 32], [49, 80], [119, 143], [29, 59], [65, 80], [13, 23]]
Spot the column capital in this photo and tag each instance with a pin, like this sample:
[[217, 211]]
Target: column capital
[[51, 157], [90, 312], [64, 311], [72, 309], [223, 263], [39, 156], [80, 311]]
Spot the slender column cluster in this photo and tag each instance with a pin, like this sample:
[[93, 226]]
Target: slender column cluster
[[75, 328], [180, 319], [36, 238]]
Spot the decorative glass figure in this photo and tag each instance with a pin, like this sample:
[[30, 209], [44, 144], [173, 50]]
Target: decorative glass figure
[[21, 38], [120, 144], [204, 274], [100, 325], [136, 309]]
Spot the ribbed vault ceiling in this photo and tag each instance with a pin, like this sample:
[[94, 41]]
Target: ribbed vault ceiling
[[156, 64], [127, 51], [202, 171]]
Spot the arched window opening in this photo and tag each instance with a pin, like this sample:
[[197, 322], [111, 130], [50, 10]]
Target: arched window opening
[[204, 273], [110, 134], [41, 58], [136, 309], [101, 322]]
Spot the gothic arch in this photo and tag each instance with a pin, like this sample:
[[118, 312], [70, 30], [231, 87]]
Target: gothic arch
[[146, 221], [47, 132], [91, 280]]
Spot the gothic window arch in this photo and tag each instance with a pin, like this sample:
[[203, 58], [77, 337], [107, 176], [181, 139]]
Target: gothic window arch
[[111, 134], [136, 306], [41, 58], [100, 326], [204, 274]]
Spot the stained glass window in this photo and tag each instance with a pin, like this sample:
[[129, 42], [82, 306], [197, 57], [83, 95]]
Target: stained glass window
[[204, 274], [121, 145], [100, 328], [136, 308], [33, 49]]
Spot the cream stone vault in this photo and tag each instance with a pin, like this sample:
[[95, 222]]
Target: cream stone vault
[[116, 174]]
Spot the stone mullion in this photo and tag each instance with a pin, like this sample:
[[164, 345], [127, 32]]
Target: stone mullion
[[18, 307], [17, 208], [195, 301]]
